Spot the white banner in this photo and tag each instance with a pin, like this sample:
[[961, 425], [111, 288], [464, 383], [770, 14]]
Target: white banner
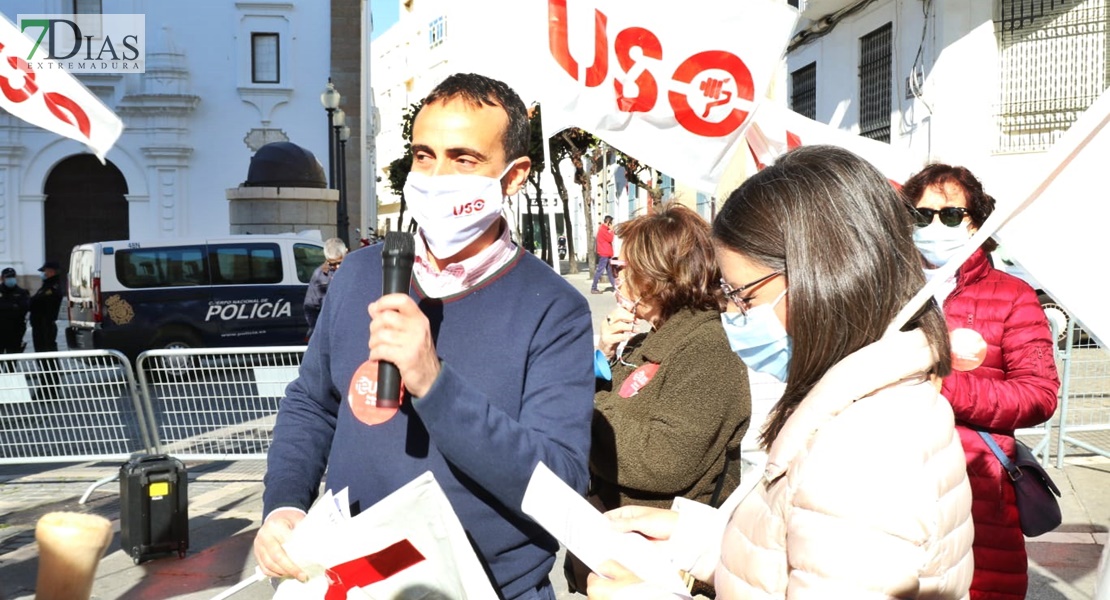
[[777, 129], [672, 84], [1058, 237], [52, 98], [1055, 228]]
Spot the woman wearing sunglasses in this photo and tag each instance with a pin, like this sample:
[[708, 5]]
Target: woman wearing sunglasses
[[1011, 383], [865, 493]]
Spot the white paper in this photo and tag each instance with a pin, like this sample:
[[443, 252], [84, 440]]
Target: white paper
[[418, 512], [588, 534]]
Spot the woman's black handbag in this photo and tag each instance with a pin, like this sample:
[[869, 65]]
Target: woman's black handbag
[[1037, 507]]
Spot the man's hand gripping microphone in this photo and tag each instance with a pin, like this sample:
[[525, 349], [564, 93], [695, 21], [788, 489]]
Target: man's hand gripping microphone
[[397, 258]]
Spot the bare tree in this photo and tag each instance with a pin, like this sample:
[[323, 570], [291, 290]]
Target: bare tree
[[641, 175], [576, 144]]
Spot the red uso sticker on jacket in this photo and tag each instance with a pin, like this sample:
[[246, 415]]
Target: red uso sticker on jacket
[[362, 395], [637, 380]]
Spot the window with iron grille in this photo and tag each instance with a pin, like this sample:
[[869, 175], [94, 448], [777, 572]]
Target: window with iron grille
[[874, 84], [1053, 64], [803, 91]]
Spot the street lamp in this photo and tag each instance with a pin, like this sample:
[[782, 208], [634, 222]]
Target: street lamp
[[342, 219], [330, 99], [338, 122]]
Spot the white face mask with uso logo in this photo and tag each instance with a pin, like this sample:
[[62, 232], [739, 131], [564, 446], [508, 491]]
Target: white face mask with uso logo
[[453, 210]]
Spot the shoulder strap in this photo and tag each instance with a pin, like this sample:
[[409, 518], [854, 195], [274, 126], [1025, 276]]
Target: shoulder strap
[[1000, 455]]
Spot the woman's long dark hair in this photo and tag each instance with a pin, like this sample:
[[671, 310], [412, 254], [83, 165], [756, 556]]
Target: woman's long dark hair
[[844, 237]]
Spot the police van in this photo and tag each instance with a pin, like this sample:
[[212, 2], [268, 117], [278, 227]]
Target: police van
[[243, 290]]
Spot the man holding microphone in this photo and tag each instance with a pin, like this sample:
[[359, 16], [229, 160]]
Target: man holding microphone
[[494, 350]]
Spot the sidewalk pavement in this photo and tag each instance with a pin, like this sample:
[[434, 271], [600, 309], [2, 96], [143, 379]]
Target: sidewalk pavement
[[225, 505]]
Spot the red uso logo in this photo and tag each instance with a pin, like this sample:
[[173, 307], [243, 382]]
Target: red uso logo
[[469, 207], [690, 70], [59, 105]]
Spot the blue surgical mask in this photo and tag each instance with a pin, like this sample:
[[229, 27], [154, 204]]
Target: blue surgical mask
[[939, 242], [10, 281], [42, 275], [759, 339]]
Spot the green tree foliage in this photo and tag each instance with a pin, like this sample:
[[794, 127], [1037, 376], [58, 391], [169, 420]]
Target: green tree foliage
[[399, 168], [535, 152]]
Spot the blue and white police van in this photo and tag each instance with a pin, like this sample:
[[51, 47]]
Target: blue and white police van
[[244, 290]]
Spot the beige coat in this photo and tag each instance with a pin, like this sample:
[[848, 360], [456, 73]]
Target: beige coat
[[865, 493]]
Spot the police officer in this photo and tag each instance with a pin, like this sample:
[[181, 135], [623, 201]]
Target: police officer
[[14, 303], [45, 305]]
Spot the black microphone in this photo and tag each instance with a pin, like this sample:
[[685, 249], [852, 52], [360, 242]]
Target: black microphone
[[397, 257]]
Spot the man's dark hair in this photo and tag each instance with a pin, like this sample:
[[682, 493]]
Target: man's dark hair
[[608, 219], [479, 90]]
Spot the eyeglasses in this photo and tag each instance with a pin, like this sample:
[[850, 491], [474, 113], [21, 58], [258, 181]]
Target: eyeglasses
[[742, 302], [950, 216]]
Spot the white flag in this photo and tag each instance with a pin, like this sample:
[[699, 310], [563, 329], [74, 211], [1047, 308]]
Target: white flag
[[1055, 225], [1059, 235], [672, 83], [52, 98], [778, 129], [775, 130]]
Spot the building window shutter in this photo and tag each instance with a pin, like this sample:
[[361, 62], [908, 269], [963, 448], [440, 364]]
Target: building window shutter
[[803, 91], [874, 84], [265, 63], [87, 7]]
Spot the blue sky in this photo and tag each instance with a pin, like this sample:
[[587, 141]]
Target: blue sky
[[385, 15]]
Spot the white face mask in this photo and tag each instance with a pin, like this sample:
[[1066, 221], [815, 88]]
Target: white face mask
[[938, 242], [453, 210]]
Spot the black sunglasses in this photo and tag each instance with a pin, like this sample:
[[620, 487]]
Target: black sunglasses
[[950, 216]]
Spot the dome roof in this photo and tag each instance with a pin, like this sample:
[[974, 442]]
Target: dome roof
[[285, 164]]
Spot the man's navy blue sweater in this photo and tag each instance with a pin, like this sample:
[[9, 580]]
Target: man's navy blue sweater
[[516, 388]]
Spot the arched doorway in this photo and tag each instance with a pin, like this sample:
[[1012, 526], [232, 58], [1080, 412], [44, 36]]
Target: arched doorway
[[85, 202]]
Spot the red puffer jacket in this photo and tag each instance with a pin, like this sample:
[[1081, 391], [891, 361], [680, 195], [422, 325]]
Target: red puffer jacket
[[1015, 387]]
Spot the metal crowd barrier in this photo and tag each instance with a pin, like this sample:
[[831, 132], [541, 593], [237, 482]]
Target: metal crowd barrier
[[69, 407], [1084, 396], [215, 404], [221, 404]]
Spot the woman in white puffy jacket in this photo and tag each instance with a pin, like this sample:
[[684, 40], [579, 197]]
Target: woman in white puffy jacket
[[865, 492]]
